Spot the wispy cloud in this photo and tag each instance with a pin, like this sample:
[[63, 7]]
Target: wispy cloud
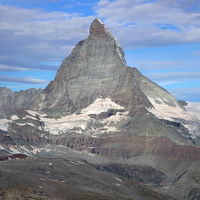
[[43, 67], [158, 64], [167, 83], [28, 80], [12, 68], [174, 76], [188, 94]]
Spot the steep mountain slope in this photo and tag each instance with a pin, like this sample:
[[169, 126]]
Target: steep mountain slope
[[118, 120]]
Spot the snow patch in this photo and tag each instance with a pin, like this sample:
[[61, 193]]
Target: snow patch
[[112, 123], [165, 99], [14, 149], [33, 113], [80, 162], [63, 125], [30, 117], [78, 123], [4, 123], [14, 117], [73, 162], [101, 105], [165, 111], [23, 149], [25, 124], [115, 119], [2, 148], [21, 124], [118, 179]]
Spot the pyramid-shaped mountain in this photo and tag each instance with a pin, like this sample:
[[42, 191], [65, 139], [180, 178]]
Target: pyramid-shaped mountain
[[96, 68], [102, 110]]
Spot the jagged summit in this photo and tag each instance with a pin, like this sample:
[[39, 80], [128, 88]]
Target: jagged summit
[[99, 30]]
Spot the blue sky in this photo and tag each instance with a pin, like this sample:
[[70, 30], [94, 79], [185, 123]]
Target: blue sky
[[160, 38]]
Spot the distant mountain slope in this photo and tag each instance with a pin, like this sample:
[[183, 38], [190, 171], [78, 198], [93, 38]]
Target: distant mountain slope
[[10, 101]]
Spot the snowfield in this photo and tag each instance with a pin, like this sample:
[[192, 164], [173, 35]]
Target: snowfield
[[78, 123], [83, 123], [101, 105], [4, 123], [65, 124], [189, 118]]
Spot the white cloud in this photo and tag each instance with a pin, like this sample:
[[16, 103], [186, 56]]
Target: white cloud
[[159, 65], [27, 80], [166, 83], [188, 94], [151, 23], [174, 76], [103, 3], [12, 68], [45, 67], [31, 36]]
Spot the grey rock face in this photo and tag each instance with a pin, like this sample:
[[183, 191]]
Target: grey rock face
[[10, 101], [152, 90], [95, 68]]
